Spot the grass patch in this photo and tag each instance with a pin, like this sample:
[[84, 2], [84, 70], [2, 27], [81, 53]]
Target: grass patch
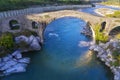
[[111, 2], [46, 16], [115, 15], [99, 36], [6, 44]]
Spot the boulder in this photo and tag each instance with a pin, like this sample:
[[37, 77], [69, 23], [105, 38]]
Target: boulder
[[21, 38], [84, 44], [13, 63], [98, 49], [34, 44], [6, 58], [92, 47], [17, 54], [24, 60], [8, 64], [15, 69]]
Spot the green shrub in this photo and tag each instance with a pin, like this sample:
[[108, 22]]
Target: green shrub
[[99, 36], [116, 63], [116, 56], [111, 2], [115, 15], [6, 40], [46, 16], [26, 33], [6, 44]]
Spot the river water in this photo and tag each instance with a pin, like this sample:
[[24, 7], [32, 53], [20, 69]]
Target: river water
[[97, 6], [63, 57]]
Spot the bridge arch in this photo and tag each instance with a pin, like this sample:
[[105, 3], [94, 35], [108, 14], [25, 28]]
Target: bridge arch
[[45, 24], [14, 24], [114, 31]]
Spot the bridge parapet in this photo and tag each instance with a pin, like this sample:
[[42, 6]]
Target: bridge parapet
[[35, 10]]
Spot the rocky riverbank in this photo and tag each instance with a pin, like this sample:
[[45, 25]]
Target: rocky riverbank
[[31, 43], [109, 53], [15, 62], [104, 11], [87, 30]]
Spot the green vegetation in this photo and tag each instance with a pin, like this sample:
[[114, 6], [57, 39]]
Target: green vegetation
[[6, 43], [112, 2], [26, 33], [99, 36], [6, 40], [115, 15], [20, 4], [46, 16], [116, 56]]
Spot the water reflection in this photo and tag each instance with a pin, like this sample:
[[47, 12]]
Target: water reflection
[[84, 59]]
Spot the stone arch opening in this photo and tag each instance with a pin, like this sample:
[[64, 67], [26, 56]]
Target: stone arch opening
[[14, 25], [115, 31], [34, 25], [46, 24]]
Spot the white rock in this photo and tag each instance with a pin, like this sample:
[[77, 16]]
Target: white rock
[[84, 44], [101, 44], [115, 44], [8, 65], [15, 69], [34, 43], [6, 59], [24, 60], [92, 47], [2, 64], [17, 54], [21, 38], [98, 49]]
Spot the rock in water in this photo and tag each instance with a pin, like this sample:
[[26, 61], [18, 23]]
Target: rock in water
[[34, 43], [13, 63], [17, 54]]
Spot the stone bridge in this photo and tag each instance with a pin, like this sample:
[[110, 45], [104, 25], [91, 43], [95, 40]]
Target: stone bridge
[[93, 20], [38, 22]]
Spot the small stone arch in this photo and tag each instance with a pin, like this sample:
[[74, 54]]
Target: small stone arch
[[115, 31], [35, 25], [14, 25]]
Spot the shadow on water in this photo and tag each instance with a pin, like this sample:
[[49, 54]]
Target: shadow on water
[[61, 57]]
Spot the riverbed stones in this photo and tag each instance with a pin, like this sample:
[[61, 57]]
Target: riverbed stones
[[13, 63], [87, 30], [32, 42], [104, 53]]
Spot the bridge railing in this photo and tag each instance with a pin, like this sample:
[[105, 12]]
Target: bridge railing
[[28, 11]]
